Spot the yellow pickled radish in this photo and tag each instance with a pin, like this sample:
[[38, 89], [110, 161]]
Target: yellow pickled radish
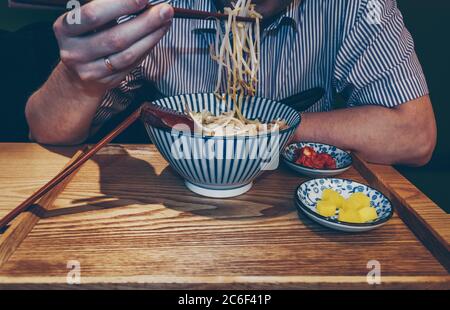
[[328, 194], [368, 214], [333, 196], [360, 200], [339, 201], [351, 205], [326, 208], [355, 209], [349, 216]]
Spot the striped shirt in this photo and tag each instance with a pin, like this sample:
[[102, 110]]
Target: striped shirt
[[358, 48]]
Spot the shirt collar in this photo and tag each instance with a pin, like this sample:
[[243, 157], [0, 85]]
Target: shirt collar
[[289, 17]]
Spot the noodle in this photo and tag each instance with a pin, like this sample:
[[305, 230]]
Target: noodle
[[239, 60], [241, 56]]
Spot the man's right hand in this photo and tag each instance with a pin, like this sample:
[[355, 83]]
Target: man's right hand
[[62, 110], [83, 49]]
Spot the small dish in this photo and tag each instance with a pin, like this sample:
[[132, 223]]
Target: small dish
[[310, 192], [343, 159]]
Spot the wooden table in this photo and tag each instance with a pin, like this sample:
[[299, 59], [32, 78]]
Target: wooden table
[[129, 222]]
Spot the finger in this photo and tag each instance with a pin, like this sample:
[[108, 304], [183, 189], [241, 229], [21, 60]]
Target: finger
[[139, 49], [123, 36], [97, 13], [124, 60], [113, 80]]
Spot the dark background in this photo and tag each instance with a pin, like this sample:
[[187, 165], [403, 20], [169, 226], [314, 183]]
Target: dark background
[[28, 52]]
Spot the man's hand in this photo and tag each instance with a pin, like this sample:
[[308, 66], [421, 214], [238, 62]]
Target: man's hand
[[83, 51], [402, 135], [62, 110]]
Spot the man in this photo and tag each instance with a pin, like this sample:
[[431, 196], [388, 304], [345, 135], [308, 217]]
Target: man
[[358, 48]]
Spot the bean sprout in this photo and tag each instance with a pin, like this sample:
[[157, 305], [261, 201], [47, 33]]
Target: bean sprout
[[237, 52]]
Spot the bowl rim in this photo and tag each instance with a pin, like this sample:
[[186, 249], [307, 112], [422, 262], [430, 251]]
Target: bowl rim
[[310, 169], [175, 132], [377, 222]]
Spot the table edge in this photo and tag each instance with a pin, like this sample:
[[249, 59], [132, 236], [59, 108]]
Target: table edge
[[233, 282], [424, 218]]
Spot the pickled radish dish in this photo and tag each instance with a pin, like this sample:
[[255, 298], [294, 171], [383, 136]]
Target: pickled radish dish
[[314, 159], [308, 157], [343, 204]]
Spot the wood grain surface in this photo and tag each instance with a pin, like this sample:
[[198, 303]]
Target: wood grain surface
[[127, 218], [20, 227]]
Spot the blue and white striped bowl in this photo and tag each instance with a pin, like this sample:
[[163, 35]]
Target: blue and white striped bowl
[[223, 167]]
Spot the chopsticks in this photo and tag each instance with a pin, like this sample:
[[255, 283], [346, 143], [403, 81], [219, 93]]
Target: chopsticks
[[179, 12], [71, 168], [25, 221], [195, 14]]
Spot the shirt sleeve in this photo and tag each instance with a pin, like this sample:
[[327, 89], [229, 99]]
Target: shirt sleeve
[[118, 99], [376, 63]]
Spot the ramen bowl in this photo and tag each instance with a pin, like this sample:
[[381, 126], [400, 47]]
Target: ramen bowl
[[222, 166]]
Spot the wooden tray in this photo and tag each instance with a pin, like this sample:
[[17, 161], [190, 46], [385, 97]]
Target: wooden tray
[[129, 222]]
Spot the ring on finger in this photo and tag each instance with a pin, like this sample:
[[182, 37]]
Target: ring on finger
[[109, 65]]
